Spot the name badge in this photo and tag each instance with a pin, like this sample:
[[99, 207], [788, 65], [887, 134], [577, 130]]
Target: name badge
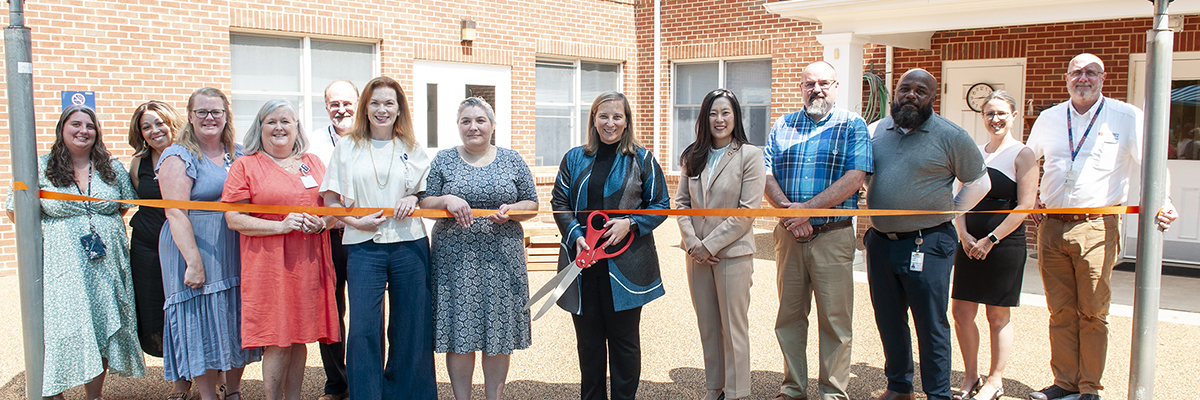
[[308, 181], [916, 263], [1072, 177]]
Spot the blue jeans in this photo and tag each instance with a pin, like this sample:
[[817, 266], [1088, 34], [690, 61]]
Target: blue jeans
[[402, 270], [896, 289]]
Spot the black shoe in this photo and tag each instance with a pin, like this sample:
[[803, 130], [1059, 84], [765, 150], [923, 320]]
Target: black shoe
[[1089, 397], [1050, 393]]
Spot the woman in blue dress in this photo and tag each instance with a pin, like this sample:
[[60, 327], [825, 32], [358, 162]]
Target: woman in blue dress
[[200, 255]]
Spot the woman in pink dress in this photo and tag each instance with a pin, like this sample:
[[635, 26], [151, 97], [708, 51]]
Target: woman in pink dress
[[287, 269]]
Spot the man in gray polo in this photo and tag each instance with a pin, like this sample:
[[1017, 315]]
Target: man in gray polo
[[918, 157]]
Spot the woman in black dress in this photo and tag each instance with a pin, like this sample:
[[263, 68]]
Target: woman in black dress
[[991, 264], [151, 130]]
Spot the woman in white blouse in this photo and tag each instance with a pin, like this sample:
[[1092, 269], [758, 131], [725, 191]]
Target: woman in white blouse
[[382, 165]]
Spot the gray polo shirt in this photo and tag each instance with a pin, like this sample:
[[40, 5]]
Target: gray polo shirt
[[917, 170]]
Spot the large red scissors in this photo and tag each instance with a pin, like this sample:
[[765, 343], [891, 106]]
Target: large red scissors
[[585, 259]]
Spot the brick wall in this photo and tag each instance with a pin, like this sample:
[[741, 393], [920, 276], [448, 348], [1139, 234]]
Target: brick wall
[[1047, 49], [130, 52]]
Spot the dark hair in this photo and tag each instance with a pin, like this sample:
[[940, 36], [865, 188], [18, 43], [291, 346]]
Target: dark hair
[[401, 128], [628, 144], [165, 112], [1003, 96], [60, 169], [694, 157]]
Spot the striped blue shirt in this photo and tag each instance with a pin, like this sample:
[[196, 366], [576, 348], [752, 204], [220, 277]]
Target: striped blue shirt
[[807, 156]]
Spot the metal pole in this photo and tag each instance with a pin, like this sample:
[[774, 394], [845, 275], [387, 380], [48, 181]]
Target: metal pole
[[1147, 286]]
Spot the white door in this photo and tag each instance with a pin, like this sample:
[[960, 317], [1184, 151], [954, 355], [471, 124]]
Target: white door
[[438, 88], [1181, 243], [958, 77]]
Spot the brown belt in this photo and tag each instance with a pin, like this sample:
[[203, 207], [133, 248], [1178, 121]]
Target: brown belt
[[1075, 217], [826, 227]]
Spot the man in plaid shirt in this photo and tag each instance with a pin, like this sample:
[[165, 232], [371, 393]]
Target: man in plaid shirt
[[817, 157]]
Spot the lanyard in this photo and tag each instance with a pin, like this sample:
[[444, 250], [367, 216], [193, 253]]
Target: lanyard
[[1071, 136], [87, 204]]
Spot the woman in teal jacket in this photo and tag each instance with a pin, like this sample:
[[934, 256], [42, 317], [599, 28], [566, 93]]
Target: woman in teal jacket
[[611, 171]]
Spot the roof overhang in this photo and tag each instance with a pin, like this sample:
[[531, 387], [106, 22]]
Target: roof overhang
[[911, 23]]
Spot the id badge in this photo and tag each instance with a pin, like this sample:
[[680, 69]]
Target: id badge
[[1072, 176], [916, 263], [308, 181]]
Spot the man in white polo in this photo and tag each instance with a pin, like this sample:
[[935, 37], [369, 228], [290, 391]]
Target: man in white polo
[[1092, 146]]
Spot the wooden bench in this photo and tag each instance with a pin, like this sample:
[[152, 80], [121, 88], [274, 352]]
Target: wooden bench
[[541, 246]]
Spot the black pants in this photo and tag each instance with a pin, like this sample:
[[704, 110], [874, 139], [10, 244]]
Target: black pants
[[333, 355], [606, 336]]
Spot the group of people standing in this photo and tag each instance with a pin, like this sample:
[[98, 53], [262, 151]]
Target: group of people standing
[[212, 291]]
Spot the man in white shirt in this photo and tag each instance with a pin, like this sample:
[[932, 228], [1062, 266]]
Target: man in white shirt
[[341, 97], [1092, 146]]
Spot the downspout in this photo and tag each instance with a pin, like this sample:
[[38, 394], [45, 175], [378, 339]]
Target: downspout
[[888, 67], [658, 78]]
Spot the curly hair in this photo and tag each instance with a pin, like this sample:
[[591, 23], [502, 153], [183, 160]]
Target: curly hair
[[60, 169], [165, 112]]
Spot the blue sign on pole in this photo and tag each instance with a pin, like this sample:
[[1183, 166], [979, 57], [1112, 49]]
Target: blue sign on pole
[[74, 97]]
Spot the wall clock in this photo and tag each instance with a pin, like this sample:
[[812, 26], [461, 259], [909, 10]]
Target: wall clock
[[976, 94]]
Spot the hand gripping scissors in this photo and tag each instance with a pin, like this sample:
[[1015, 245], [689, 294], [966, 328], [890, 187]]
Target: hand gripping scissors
[[585, 259]]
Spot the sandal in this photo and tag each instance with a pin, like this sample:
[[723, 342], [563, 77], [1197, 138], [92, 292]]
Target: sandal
[[179, 396], [238, 394], [968, 393]]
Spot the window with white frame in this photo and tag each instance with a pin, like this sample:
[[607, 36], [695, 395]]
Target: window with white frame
[[565, 91], [295, 69], [749, 80]]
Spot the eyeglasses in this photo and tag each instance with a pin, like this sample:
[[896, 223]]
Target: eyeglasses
[[202, 114], [824, 85], [1089, 73], [994, 114]]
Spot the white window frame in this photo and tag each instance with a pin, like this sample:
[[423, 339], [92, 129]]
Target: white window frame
[[306, 85], [674, 164], [580, 104]]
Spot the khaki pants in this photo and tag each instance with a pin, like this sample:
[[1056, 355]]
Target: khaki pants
[[721, 296], [1076, 260], [820, 269]]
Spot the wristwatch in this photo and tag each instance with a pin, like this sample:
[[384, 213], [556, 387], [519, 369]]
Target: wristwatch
[[992, 237]]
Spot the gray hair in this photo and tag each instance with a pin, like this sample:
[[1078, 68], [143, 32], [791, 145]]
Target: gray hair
[[482, 104], [252, 143]]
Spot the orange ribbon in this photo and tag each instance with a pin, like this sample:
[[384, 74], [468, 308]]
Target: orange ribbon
[[439, 213]]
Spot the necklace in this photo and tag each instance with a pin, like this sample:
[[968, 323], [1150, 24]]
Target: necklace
[[371, 152], [280, 161]]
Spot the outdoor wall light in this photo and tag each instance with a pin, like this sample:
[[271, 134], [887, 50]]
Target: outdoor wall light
[[468, 30]]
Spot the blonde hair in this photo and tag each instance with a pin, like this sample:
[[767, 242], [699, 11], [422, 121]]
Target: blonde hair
[[164, 111], [628, 144], [187, 136]]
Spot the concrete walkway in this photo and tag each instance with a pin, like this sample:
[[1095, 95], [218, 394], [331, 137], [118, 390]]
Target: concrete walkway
[[672, 364]]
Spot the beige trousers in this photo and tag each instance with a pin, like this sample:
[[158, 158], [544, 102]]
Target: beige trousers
[[1076, 260], [721, 296], [820, 269]]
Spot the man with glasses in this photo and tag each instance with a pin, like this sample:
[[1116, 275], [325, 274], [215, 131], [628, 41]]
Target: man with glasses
[[918, 157], [816, 158], [341, 97], [1092, 146]]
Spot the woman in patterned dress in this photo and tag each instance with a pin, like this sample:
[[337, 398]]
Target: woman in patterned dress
[[90, 316], [201, 261], [478, 263]]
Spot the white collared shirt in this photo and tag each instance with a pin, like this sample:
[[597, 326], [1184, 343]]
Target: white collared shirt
[[1111, 155], [378, 173], [321, 143]]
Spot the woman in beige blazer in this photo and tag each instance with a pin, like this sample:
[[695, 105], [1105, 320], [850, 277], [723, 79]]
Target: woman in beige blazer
[[721, 170]]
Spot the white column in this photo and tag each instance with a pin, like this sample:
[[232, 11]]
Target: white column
[[845, 52]]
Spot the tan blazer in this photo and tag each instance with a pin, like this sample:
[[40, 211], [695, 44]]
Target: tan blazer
[[738, 182]]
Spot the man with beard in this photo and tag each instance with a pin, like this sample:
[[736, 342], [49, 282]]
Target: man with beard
[[1092, 145], [918, 157], [341, 97], [816, 158]]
